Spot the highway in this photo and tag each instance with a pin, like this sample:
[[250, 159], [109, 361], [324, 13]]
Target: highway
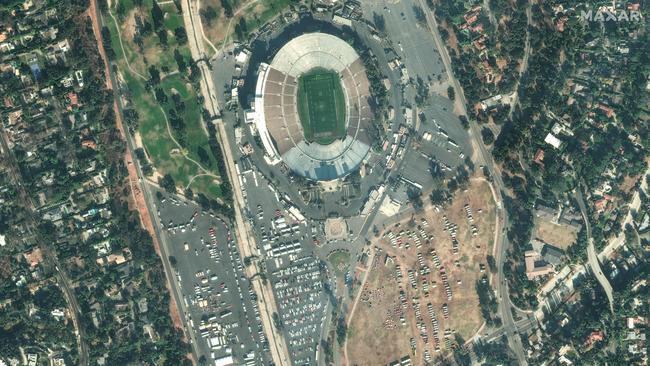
[[484, 156]]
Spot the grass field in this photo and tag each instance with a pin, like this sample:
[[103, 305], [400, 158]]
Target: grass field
[[339, 260], [254, 15], [321, 106], [561, 236], [158, 143]]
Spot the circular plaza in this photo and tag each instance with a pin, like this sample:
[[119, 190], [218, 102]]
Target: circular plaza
[[311, 107]]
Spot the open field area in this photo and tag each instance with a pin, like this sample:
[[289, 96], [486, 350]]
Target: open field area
[[217, 25], [420, 297], [168, 115], [561, 236], [321, 106]]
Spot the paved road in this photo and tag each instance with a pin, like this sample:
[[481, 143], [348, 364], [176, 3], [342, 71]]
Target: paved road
[[484, 156], [523, 325], [594, 264], [245, 239], [49, 255], [148, 198]]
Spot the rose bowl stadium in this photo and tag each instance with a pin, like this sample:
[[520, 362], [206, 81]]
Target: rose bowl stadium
[[311, 107]]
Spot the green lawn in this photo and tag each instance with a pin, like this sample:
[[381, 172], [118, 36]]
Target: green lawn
[[321, 106], [160, 147], [195, 137], [339, 260]]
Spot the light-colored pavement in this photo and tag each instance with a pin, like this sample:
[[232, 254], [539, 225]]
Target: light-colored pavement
[[594, 264]]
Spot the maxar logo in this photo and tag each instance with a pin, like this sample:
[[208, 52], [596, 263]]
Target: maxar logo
[[607, 15]]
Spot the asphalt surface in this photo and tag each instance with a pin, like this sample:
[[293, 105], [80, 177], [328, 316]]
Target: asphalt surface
[[592, 257], [421, 57], [212, 282], [413, 44], [296, 278]]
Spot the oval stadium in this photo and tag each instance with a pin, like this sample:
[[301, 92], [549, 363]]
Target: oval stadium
[[311, 107]]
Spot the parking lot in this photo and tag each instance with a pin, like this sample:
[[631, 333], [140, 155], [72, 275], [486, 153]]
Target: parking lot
[[215, 292], [287, 242]]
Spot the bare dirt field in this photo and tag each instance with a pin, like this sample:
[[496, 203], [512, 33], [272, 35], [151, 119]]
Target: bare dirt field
[[376, 336], [561, 236], [420, 296]]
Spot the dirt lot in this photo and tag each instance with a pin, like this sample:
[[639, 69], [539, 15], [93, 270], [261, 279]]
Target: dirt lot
[[561, 236], [376, 336], [386, 324]]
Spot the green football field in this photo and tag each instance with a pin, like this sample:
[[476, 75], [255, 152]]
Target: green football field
[[321, 106]]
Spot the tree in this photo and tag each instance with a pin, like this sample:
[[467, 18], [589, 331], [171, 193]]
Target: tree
[[451, 93], [180, 61], [157, 15], [380, 22], [492, 263], [415, 197], [181, 35], [173, 261], [162, 36], [106, 40], [161, 97], [436, 172], [419, 14], [203, 201], [341, 330], [155, 75], [203, 156], [277, 321], [167, 182], [243, 27], [227, 8], [438, 197], [464, 121], [488, 136], [209, 14]]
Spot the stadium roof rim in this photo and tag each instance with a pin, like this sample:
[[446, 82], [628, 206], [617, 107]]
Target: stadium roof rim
[[276, 115]]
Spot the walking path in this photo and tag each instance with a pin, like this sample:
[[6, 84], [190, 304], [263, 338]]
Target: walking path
[[356, 301], [181, 149]]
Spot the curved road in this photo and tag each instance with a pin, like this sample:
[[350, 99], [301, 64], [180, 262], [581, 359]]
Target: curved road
[[592, 257], [485, 157]]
